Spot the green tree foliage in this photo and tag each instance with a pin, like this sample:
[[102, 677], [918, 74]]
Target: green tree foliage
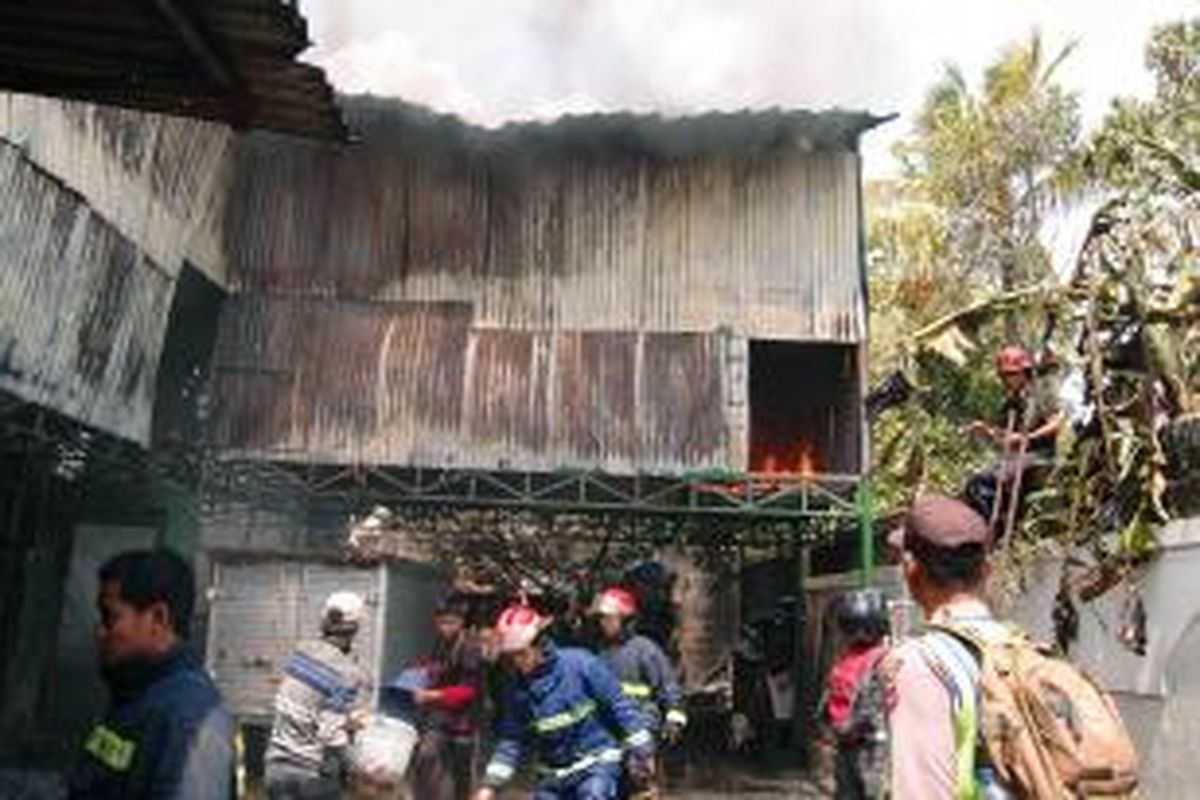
[[979, 173], [1127, 319], [1135, 306], [993, 161]]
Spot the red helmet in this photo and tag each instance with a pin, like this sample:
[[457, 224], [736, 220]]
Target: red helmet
[[518, 627], [615, 601], [1013, 358]]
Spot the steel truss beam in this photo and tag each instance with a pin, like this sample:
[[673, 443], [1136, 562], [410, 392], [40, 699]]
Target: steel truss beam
[[766, 498]]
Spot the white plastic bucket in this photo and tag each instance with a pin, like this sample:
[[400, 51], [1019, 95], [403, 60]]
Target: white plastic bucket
[[383, 749]]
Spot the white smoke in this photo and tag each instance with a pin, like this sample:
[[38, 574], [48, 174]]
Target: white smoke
[[492, 61]]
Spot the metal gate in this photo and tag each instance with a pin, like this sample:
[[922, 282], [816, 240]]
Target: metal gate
[[261, 607]]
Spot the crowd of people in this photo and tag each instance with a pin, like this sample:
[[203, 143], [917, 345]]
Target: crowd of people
[[909, 716], [968, 708]]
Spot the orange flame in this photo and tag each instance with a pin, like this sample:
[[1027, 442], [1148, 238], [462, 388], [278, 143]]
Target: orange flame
[[799, 458]]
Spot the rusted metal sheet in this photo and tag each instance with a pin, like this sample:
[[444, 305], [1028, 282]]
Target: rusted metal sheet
[[348, 381], [596, 395], [681, 376], [507, 396], [308, 379], [82, 309], [751, 224]]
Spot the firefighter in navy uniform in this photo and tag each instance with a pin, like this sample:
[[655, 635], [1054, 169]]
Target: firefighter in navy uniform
[[1025, 436], [564, 708], [645, 672], [166, 734], [643, 669]]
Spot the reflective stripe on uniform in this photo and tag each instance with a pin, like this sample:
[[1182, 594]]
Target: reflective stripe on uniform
[[958, 670], [499, 771], [609, 755], [637, 691], [676, 717], [639, 739], [565, 719], [110, 748]]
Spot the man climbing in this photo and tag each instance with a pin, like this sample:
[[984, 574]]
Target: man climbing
[[318, 708], [1025, 437], [443, 761], [646, 675], [566, 709]]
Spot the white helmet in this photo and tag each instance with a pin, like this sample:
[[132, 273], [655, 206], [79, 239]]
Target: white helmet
[[518, 627], [344, 608]]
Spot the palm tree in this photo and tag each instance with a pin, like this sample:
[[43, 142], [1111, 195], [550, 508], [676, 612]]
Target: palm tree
[[996, 160]]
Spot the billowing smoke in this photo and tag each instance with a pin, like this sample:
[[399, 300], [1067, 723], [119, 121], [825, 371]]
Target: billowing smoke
[[492, 61]]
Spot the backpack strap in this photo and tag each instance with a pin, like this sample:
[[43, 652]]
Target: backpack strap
[[957, 667]]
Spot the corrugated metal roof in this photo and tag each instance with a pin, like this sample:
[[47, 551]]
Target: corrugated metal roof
[[416, 384], [621, 133], [228, 60], [748, 222], [82, 309]]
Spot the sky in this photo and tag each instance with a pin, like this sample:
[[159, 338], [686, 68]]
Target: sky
[[492, 61]]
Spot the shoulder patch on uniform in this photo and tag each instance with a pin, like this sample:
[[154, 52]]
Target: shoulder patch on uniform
[[110, 748]]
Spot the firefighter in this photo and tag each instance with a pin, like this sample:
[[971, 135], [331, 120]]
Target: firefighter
[[646, 675], [166, 733], [318, 707], [565, 708], [1025, 435]]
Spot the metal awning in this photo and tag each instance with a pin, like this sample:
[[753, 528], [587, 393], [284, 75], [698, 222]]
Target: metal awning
[[226, 60]]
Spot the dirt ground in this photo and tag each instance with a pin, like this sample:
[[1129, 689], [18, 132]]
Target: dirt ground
[[759, 786]]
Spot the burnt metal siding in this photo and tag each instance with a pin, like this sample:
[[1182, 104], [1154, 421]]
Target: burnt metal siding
[[261, 608], [309, 379], [159, 180], [340, 381], [551, 230], [82, 309]]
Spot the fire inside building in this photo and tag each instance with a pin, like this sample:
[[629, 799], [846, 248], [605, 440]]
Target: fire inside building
[[229, 328]]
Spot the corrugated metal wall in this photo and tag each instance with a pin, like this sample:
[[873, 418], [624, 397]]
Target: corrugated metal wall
[[538, 236], [416, 383], [159, 180], [99, 208], [560, 297], [82, 309]]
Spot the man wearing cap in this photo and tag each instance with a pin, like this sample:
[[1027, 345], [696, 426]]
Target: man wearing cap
[[442, 765], [321, 698], [943, 547], [566, 709]]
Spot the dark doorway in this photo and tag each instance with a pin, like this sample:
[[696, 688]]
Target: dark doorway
[[805, 415], [179, 400]]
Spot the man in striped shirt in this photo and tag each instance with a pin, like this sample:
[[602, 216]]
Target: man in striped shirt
[[322, 694]]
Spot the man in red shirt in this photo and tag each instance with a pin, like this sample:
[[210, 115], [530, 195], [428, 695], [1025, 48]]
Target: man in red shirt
[[442, 767], [855, 702]]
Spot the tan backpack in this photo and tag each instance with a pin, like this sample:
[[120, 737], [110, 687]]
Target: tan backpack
[[1049, 730]]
